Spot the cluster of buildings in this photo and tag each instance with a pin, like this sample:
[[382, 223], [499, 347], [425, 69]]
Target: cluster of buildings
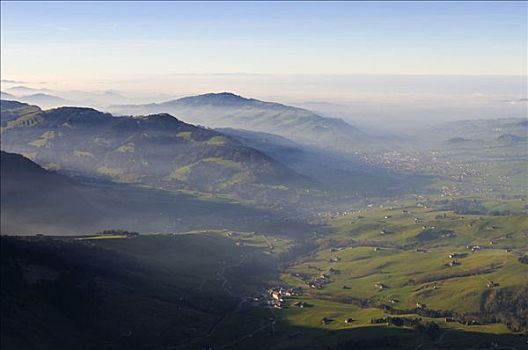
[[275, 297], [320, 281]]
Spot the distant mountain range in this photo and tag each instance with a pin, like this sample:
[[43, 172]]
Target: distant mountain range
[[155, 150], [227, 110], [7, 96], [46, 98], [477, 133], [43, 100]]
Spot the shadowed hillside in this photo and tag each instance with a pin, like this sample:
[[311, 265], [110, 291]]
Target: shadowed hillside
[[34, 199], [156, 150]]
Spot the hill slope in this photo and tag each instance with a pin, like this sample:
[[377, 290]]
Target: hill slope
[[227, 110], [34, 199], [156, 150], [337, 172]]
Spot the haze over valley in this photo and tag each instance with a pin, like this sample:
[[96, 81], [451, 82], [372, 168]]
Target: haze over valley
[[306, 175]]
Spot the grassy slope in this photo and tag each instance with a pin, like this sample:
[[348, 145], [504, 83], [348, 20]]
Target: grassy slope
[[361, 267]]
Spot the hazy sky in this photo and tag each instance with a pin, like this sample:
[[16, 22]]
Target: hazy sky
[[82, 43]]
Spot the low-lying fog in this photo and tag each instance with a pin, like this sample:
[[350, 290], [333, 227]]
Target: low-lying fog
[[371, 102]]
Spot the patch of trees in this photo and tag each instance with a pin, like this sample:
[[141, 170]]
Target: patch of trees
[[434, 233], [464, 206], [118, 232], [500, 212], [444, 276], [524, 259], [359, 302], [508, 306], [430, 328], [425, 312], [450, 316]]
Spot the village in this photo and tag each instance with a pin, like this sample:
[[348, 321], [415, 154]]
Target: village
[[276, 297]]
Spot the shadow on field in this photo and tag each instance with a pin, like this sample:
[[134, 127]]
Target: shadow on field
[[376, 337]]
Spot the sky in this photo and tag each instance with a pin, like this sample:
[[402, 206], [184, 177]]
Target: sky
[[371, 60], [83, 41]]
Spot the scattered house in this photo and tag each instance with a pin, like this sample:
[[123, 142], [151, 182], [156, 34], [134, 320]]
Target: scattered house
[[320, 282], [299, 304], [449, 319], [326, 320], [387, 216], [405, 211], [471, 323], [349, 321], [346, 287], [393, 301], [420, 306], [492, 242], [334, 259], [453, 263], [421, 250], [492, 284], [449, 234], [380, 286], [376, 249]]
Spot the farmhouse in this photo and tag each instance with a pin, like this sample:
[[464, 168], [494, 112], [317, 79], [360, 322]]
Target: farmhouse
[[492, 284], [380, 286], [453, 263], [326, 320]]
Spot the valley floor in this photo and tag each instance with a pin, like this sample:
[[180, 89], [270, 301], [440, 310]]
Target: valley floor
[[412, 274]]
